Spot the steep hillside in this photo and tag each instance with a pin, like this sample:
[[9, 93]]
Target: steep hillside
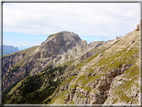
[[16, 66], [109, 77], [37, 88], [57, 49], [66, 70]]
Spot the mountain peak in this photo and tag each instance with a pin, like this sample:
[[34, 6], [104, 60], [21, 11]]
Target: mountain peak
[[66, 35], [58, 43]]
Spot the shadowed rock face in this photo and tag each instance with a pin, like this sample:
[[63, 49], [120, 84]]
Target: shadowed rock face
[[57, 49], [51, 52], [58, 44], [87, 55]]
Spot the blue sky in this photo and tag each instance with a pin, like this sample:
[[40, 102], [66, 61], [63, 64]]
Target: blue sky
[[22, 40], [29, 24]]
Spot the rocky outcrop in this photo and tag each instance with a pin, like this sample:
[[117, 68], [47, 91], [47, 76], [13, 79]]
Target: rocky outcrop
[[16, 66], [137, 29], [97, 78], [10, 61], [59, 44], [16, 74], [85, 56], [99, 88], [59, 48], [133, 91]]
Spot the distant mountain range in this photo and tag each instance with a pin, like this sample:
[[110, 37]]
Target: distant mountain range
[[8, 49]]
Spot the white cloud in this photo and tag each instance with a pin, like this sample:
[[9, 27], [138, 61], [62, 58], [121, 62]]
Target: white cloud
[[85, 19]]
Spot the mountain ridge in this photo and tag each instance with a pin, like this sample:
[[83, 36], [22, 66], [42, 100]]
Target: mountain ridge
[[74, 72]]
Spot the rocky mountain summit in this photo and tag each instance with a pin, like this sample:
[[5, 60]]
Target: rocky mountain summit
[[57, 49], [66, 70]]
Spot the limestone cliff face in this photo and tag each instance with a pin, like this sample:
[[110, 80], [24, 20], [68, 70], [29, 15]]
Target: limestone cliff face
[[58, 44], [58, 49], [16, 66], [10, 61], [109, 77]]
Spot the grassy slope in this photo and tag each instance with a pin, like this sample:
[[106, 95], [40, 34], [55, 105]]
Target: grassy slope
[[127, 55], [25, 52], [35, 89], [19, 64]]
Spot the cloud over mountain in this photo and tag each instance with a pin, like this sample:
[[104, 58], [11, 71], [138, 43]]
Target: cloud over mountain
[[86, 19]]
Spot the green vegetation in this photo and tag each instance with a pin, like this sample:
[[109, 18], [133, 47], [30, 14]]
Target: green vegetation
[[59, 99], [87, 88], [132, 73], [68, 80], [35, 89], [115, 101], [9, 88], [71, 102], [16, 86], [53, 35], [26, 53], [85, 79], [66, 57], [68, 63], [127, 57], [124, 97], [20, 63], [29, 50]]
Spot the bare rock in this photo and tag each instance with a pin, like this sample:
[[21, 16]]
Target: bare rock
[[92, 84], [137, 29], [63, 87], [85, 56], [73, 73], [42, 43]]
